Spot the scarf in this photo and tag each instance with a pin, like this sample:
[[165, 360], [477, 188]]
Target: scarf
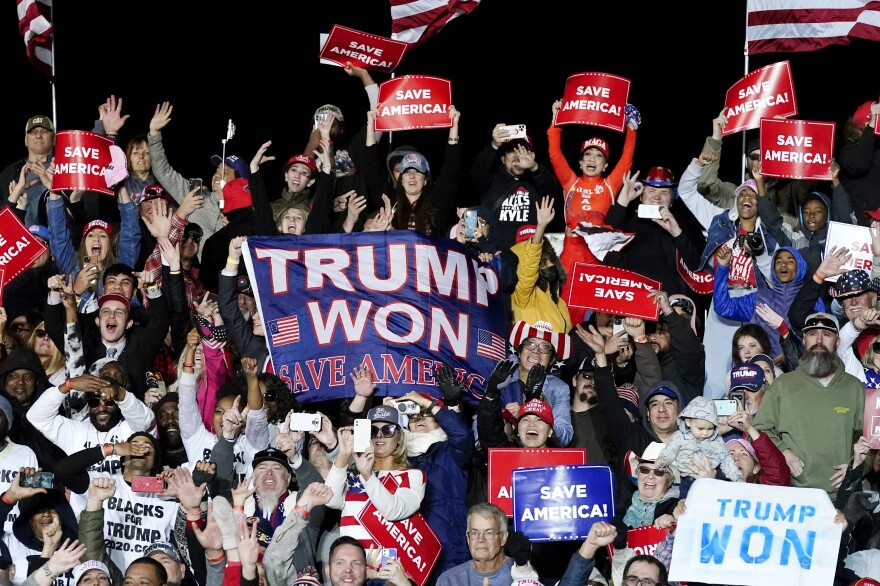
[[641, 513], [417, 443]]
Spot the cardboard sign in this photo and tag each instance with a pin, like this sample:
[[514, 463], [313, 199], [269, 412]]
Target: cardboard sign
[[764, 93], [18, 247], [642, 540], [414, 101], [797, 149], [856, 239], [756, 535], [418, 548], [612, 290], [871, 419], [701, 282], [80, 160], [561, 503], [362, 49], [597, 99], [503, 461]]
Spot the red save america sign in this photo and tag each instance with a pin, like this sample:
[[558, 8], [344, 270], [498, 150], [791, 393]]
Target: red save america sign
[[503, 461], [362, 49], [642, 540], [612, 290], [796, 149], [418, 548], [80, 160], [18, 247], [414, 101], [764, 93], [594, 98]]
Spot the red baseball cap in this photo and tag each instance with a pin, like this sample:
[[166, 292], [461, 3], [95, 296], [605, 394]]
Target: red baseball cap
[[303, 159], [525, 233], [539, 408], [100, 225], [595, 143], [862, 115], [114, 297]]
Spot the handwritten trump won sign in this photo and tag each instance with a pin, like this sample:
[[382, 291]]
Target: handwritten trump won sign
[[756, 535]]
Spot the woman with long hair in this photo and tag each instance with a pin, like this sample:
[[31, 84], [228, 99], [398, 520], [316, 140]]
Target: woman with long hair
[[51, 357], [385, 457]]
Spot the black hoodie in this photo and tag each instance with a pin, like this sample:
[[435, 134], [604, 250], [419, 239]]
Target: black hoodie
[[28, 507], [23, 432]]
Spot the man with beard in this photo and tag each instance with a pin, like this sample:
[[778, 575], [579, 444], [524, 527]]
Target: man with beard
[[168, 423], [814, 413], [22, 381], [114, 414]]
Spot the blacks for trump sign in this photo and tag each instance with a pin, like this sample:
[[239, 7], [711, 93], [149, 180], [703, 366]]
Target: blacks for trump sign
[[397, 302]]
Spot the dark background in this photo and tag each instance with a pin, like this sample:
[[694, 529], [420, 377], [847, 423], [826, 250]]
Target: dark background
[[257, 63]]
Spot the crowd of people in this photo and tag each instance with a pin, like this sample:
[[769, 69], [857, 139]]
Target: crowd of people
[[145, 438]]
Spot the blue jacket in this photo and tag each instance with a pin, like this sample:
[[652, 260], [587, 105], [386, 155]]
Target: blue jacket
[[780, 297], [446, 466], [556, 393]]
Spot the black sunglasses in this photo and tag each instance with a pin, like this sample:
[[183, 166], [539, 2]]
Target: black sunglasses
[[658, 472], [385, 431], [196, 238], [94, 401], [820, 322], [755, 157], [876, 347], [684, 304]]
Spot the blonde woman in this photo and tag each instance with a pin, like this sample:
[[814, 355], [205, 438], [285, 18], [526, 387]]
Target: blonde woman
[[51, 357]]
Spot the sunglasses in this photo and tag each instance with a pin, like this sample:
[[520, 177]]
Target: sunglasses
[[876, 347], [420, 416], [658, 472], [94, 401], [270, 395], [385, 431], [755, 157], [820, 322], [41, 333], [196, 238]]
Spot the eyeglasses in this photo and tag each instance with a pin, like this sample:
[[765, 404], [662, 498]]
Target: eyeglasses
[[755, 157], [658, 472], [385, 431], [684, 304], [543, 348], [585, 375], [94, 401], [636, 581], [488, 534], [420, 416], [41, 333], [195, 238]]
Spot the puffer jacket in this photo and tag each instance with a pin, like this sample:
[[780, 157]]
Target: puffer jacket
[[446, 464]]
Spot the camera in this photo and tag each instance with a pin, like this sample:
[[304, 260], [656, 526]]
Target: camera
[[408, 407], [755, 243], [37, 480]]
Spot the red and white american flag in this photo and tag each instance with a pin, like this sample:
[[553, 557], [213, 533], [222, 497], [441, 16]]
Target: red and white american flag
[[784, 26], [284, 331], [35, 24], [491, 345], [415, 21]]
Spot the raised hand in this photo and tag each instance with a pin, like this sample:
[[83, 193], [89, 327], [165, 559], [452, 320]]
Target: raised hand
[[631, 189], [833, 263], [501, 373], [363, 381], [534, 386], [452, 389], [591, 337], [161, 117], [545, 211], [260, 157]]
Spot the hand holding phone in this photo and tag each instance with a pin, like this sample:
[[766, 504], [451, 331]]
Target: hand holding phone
[[515, 131], [152, 484], [389, 554], [362, 431], [310, 422], [470, 223], [649, 211], [725, 407]]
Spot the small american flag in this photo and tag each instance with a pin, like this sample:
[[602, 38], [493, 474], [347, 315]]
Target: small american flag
[[284, 331], [491, 345]]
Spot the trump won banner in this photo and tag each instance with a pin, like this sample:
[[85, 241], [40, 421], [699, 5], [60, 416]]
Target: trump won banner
[[597, 99], [414, 101], [396, 302], [796, 149], [561, 503], [764, 93], [756, 535]]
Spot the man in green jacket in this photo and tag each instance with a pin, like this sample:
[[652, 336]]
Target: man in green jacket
[[814, 413]]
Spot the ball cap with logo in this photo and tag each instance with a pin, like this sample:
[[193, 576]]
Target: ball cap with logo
[[748, 376], [385, 414], [163, 547], [100, 225], [821, 321], [40, 231], [595, 143], [39, 122], [302, 159], [114, 297], [80, 570], [414, 161], [537, 407], [237, 164]]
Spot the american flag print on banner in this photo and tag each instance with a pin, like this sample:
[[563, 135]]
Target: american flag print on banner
[[284, 331], [415, 21], [34, 22], [786, 26], [491, 345]]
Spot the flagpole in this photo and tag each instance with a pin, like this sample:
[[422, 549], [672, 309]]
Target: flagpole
[[745, 72], [52, 81]]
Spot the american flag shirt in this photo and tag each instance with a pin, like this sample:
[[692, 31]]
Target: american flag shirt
[[395, 498]]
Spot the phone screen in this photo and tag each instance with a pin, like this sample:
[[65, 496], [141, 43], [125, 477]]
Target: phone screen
[[470, 223]]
